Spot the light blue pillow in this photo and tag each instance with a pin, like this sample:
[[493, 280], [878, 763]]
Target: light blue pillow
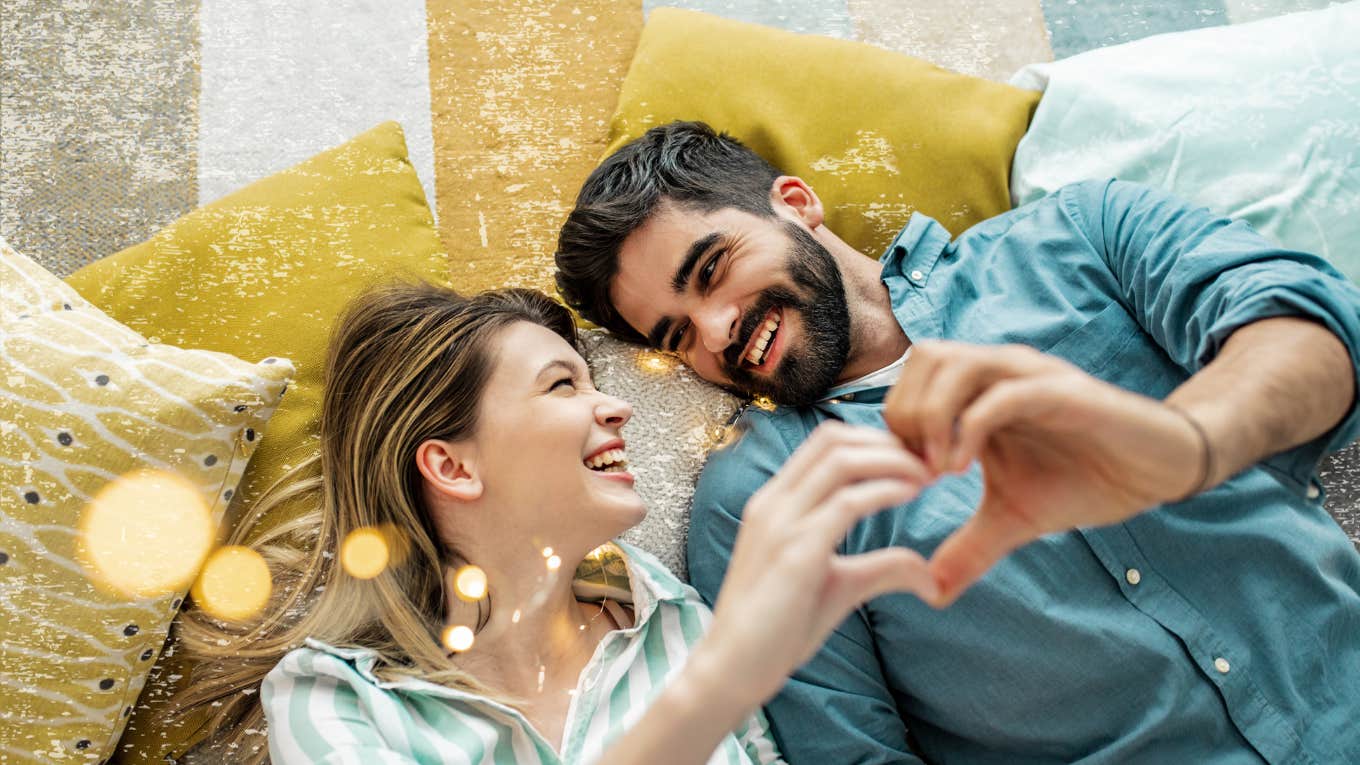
[[1259, 121]]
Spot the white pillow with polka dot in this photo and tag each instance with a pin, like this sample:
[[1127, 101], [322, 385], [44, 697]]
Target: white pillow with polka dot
[[117, 458], [677, 419]]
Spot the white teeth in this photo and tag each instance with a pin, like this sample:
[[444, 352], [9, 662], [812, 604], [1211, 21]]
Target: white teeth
[[757, 354], [606, 458]]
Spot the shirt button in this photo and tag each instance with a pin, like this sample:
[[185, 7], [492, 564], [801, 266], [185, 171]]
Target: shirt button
[[1133, 577], [1312, 491], [917, 276], [1221, 664]]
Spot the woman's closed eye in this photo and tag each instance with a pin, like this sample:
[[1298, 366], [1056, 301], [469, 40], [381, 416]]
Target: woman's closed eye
[[569, 382]]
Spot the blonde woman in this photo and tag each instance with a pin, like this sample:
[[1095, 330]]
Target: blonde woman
[[469, 429]]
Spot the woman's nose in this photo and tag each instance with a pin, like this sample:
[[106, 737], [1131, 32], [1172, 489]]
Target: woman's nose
[[614, 411]]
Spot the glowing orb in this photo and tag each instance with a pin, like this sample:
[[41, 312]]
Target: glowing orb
[[234, 584], [458, 637], [364, 553], [547, 552], [145, 534], [554, 563], [469, 583], [654, 362]]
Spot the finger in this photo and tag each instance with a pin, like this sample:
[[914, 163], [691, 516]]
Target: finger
[[900, 407], [954, 386], [856, 579], [830, 520], [980, 543], [827, 438], [1002, 404], [851, 465]]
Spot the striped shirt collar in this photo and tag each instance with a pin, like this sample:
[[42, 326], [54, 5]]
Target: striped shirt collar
[[614, 570]]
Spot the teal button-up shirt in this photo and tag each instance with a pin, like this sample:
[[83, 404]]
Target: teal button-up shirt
[[1221, 629]]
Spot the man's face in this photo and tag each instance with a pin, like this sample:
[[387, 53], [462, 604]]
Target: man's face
[[751, 303]]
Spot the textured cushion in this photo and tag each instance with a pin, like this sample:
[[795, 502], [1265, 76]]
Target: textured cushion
[[85, 405], [677, 419], [1228, 117], [261, 272], [877, 134]]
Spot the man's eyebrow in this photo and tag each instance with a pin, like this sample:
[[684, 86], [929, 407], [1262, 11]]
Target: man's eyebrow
[[681, 279]]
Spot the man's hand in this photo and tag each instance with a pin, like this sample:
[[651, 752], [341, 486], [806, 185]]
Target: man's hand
[[1059, 448]]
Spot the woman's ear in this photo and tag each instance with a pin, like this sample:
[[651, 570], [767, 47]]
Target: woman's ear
[[793, 193], [450, 469]]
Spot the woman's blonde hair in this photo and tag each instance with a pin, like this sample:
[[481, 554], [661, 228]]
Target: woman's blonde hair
[[406, 363]]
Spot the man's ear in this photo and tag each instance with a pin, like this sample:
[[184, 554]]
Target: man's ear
[[791, 192], [450, 469]]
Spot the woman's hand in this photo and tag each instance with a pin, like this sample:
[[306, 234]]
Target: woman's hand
[[786, 587]]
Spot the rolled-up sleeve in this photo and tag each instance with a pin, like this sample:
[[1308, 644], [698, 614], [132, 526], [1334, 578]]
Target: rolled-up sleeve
[[1191, 278]]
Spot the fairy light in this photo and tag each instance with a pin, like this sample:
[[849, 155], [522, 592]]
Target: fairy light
[[654, 362], [145, 534], [458, 637], [234, 583], [364, 553], [469, 583], [554, 563], [547, 552], [514, 618]]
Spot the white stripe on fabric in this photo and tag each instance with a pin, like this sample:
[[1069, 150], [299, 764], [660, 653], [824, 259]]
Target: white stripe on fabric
[[283, 81], [277, 693], [432, 720]]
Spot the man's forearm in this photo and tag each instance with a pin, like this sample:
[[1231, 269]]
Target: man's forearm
[[1275, 384]]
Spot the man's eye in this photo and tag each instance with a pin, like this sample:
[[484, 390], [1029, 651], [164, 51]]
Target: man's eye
[[706, 275], [678, 340], [564, 381]]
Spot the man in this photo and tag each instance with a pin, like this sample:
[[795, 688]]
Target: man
[[1108, 360]]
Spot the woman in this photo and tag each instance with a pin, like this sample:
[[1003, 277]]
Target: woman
[[468, 431]]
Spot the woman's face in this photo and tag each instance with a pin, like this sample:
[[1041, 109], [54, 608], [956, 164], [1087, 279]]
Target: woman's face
[[550, 444]]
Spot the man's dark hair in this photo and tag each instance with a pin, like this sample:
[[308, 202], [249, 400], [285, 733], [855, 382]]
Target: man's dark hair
[[683, 162]]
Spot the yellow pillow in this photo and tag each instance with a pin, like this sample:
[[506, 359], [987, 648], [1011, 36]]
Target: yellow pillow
[[88, 583], [264, 272], [877, 134]]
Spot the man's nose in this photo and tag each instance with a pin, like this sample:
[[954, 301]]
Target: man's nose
[[717, 328]]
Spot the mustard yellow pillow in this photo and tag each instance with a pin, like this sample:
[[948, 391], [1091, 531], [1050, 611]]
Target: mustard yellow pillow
[[877, 134], [264, 272], [96, 551]]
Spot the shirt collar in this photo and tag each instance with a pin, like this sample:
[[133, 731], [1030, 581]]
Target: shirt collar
[[617, 570], [916, 247]]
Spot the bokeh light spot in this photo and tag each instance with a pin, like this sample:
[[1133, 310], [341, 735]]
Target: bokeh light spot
[[234, 584], [469, 583], [145, 534], [364, 553], [458, 637], [554, 563]]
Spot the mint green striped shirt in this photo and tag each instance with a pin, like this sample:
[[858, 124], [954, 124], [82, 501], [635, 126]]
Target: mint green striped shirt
[[324, 703]]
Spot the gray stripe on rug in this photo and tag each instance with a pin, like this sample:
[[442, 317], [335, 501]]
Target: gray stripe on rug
[[98, 124]]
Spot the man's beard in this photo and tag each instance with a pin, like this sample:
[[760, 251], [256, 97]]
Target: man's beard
[[807, 371]]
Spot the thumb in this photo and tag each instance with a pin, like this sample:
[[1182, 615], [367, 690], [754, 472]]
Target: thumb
[[865, 576], [980, 543]]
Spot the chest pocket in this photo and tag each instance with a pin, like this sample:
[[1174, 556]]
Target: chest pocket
[[1099, 345]]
